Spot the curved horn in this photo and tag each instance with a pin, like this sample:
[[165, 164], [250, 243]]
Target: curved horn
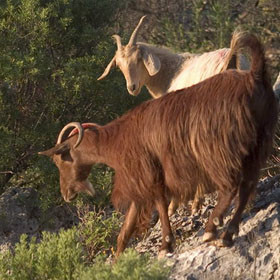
[[118, 41], [132, 40], [62, 133]]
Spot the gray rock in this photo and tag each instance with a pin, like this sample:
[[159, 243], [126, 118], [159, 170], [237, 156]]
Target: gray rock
[[20, 214], [254, 255]]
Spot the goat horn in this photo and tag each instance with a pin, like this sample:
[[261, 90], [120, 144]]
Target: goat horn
[[62, 133], [132, 40], [118, 41]]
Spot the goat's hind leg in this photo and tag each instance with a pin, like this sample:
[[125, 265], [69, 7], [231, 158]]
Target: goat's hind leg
[[173, 206], [196, 204], [167, 236], [216, 218], [198, 199], [241, 201], [127, 229]]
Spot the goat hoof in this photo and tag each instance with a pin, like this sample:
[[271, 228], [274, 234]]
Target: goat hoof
[[227, 243], [219, 243], [171, 212], [208, 236], [162, 254], [194, 211], [233, 230], [225, 240], [223, 243]]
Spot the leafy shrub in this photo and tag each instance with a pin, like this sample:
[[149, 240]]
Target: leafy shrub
[[61, 257], [98, 231], [101, 178], [55, 257], [53, 53], [130, 265]]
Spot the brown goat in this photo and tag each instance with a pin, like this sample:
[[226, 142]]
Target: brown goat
[[217, 133], [163, 71]]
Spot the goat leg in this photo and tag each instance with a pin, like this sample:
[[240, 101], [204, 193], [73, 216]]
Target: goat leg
[[173, 206], [233, 227], [198, 199], [167, 236], [127, 229], [216, 218], [196, 204]]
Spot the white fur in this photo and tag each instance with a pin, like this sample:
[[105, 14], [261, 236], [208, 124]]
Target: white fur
[[199, 68]]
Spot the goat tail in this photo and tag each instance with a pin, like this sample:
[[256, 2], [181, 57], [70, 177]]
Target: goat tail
[[258, 62], [244, 40]]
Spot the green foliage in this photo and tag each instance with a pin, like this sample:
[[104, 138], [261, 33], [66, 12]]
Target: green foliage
[[52, 54], [55, 257], [130, 266], [204, 25], [61, 257], [98, 231], [201, 25], [101, 177]]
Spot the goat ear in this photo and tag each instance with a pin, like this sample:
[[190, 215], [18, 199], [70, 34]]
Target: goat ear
[[108, 68], [56, 150], [151, 62]]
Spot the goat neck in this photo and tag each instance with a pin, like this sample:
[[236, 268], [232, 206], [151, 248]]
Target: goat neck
[[158, 84], [99, 145]]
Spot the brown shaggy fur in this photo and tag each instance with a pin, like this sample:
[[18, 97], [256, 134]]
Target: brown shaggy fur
[[217, 133]]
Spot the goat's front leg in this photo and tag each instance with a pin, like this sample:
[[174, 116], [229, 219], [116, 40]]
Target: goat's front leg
[[167, 236], [127, 229]]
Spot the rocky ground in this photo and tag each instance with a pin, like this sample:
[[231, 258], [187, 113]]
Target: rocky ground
[[20, 214], [254, 255]]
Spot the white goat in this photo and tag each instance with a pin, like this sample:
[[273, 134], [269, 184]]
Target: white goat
[[163, 71]]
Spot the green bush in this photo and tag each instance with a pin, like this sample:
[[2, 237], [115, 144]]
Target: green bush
[[61, 257], [52, 54], [130, 265], [98, 231], [101, 178], [201, 26], [54, 257]]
